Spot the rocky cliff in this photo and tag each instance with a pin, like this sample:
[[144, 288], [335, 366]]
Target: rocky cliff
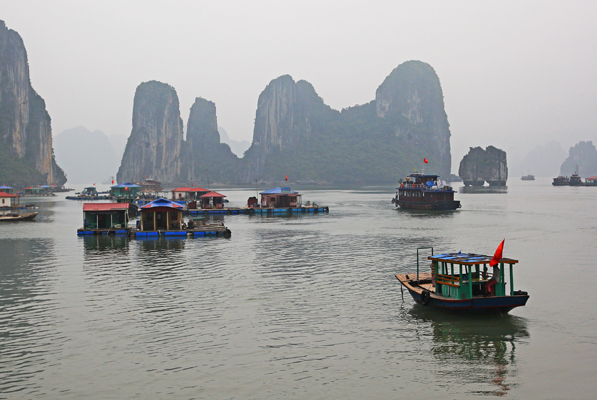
[[480, 166], [411, 99], [297, 135], [153, 149], [205, 159], [582, 159], [25, 125]]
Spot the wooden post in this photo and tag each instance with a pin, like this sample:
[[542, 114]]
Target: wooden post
[[167, 221], [511, 280], [154, 221], [141, 218], [470, 282]]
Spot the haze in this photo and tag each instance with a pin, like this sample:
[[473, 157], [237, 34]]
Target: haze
[[514, 74]]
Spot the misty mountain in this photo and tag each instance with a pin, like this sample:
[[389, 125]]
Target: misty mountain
[[87, 157], [237, 147], [118, 143], [296, 135], [583, 155], [544, 160], [26, 156]]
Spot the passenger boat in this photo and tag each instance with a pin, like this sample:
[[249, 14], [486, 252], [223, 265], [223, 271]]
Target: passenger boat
[[12, 216], [460, 282], [528, 177], [425, 192], [576, 180], [561, 181]]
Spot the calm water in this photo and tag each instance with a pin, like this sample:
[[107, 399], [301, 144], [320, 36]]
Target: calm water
[[301, 308]]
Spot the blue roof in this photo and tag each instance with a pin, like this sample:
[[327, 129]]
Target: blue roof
[[126, 185], [279, 190], [6, 187], [162, 203]]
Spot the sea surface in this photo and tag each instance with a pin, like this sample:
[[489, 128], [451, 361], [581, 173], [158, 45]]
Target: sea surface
[[301, 307]]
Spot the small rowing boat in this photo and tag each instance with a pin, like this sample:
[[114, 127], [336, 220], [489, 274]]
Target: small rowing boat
[[18, 217]]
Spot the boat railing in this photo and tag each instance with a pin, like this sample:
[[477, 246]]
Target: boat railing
[[448, 280]]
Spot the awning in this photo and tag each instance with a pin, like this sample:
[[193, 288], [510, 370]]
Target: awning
[[105, 206]]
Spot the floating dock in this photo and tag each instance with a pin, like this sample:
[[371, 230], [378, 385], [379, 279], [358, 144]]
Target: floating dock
[[259, 210]]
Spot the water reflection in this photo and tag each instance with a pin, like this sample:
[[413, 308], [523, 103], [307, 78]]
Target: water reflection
[[426, 214], [161, 244], [28, 336], [105, 242], [483, 189], [484, 347]]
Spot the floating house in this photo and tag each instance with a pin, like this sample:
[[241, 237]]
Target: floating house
[[212, 200], [105, 219], [8, 200], [590, 181], [280, 197], [40, 190], [150, 186], [282, 200], [188, 193], [8, 189], [128, 190], [165, 217]]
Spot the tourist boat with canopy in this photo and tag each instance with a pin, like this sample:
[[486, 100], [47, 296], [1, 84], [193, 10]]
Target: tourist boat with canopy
[[420, 191], [460, 282]]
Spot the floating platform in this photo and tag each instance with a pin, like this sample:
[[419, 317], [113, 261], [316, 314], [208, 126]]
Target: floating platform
[[218, 230], [87, 198], [116, 231], [259, 210]]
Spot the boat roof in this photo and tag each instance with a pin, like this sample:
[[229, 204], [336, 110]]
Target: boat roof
[[4, 194], [105, 206], [467, 258], [591, 178], [6, 187], [162, 203], [213, 194], [125, 185], [419, 175], [279, 190]]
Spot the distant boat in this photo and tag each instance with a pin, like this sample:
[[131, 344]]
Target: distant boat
[[528, 177], [561, 181], [18, 217], [425, 192]]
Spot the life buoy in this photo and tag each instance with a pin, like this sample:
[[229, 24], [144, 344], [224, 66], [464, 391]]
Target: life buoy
[[425, 297]]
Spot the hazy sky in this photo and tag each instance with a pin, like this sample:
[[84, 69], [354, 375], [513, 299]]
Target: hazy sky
[[514, 73]]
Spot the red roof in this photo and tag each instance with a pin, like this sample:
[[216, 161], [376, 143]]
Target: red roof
[[105, 206], [592, 178], [190, 189], [4, 194], [213, 194]]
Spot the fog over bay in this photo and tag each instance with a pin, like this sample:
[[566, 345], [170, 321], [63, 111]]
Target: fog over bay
[[514, 74]]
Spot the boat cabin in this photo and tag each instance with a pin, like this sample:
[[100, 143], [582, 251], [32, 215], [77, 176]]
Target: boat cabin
[[8, 200], [105, 215], [161, 215], [89, 191], [125, 190], [212, 200], [590, 181], [281, 197], [150, 185], [464, 276]]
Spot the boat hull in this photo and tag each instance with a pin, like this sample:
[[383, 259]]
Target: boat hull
[[21, 217], [476, 305], [435, 205]]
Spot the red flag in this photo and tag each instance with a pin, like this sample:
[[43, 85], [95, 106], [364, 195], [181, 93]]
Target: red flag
[[112, 181], [286, 176], [126, 188], [498, 254], [426, 162]]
